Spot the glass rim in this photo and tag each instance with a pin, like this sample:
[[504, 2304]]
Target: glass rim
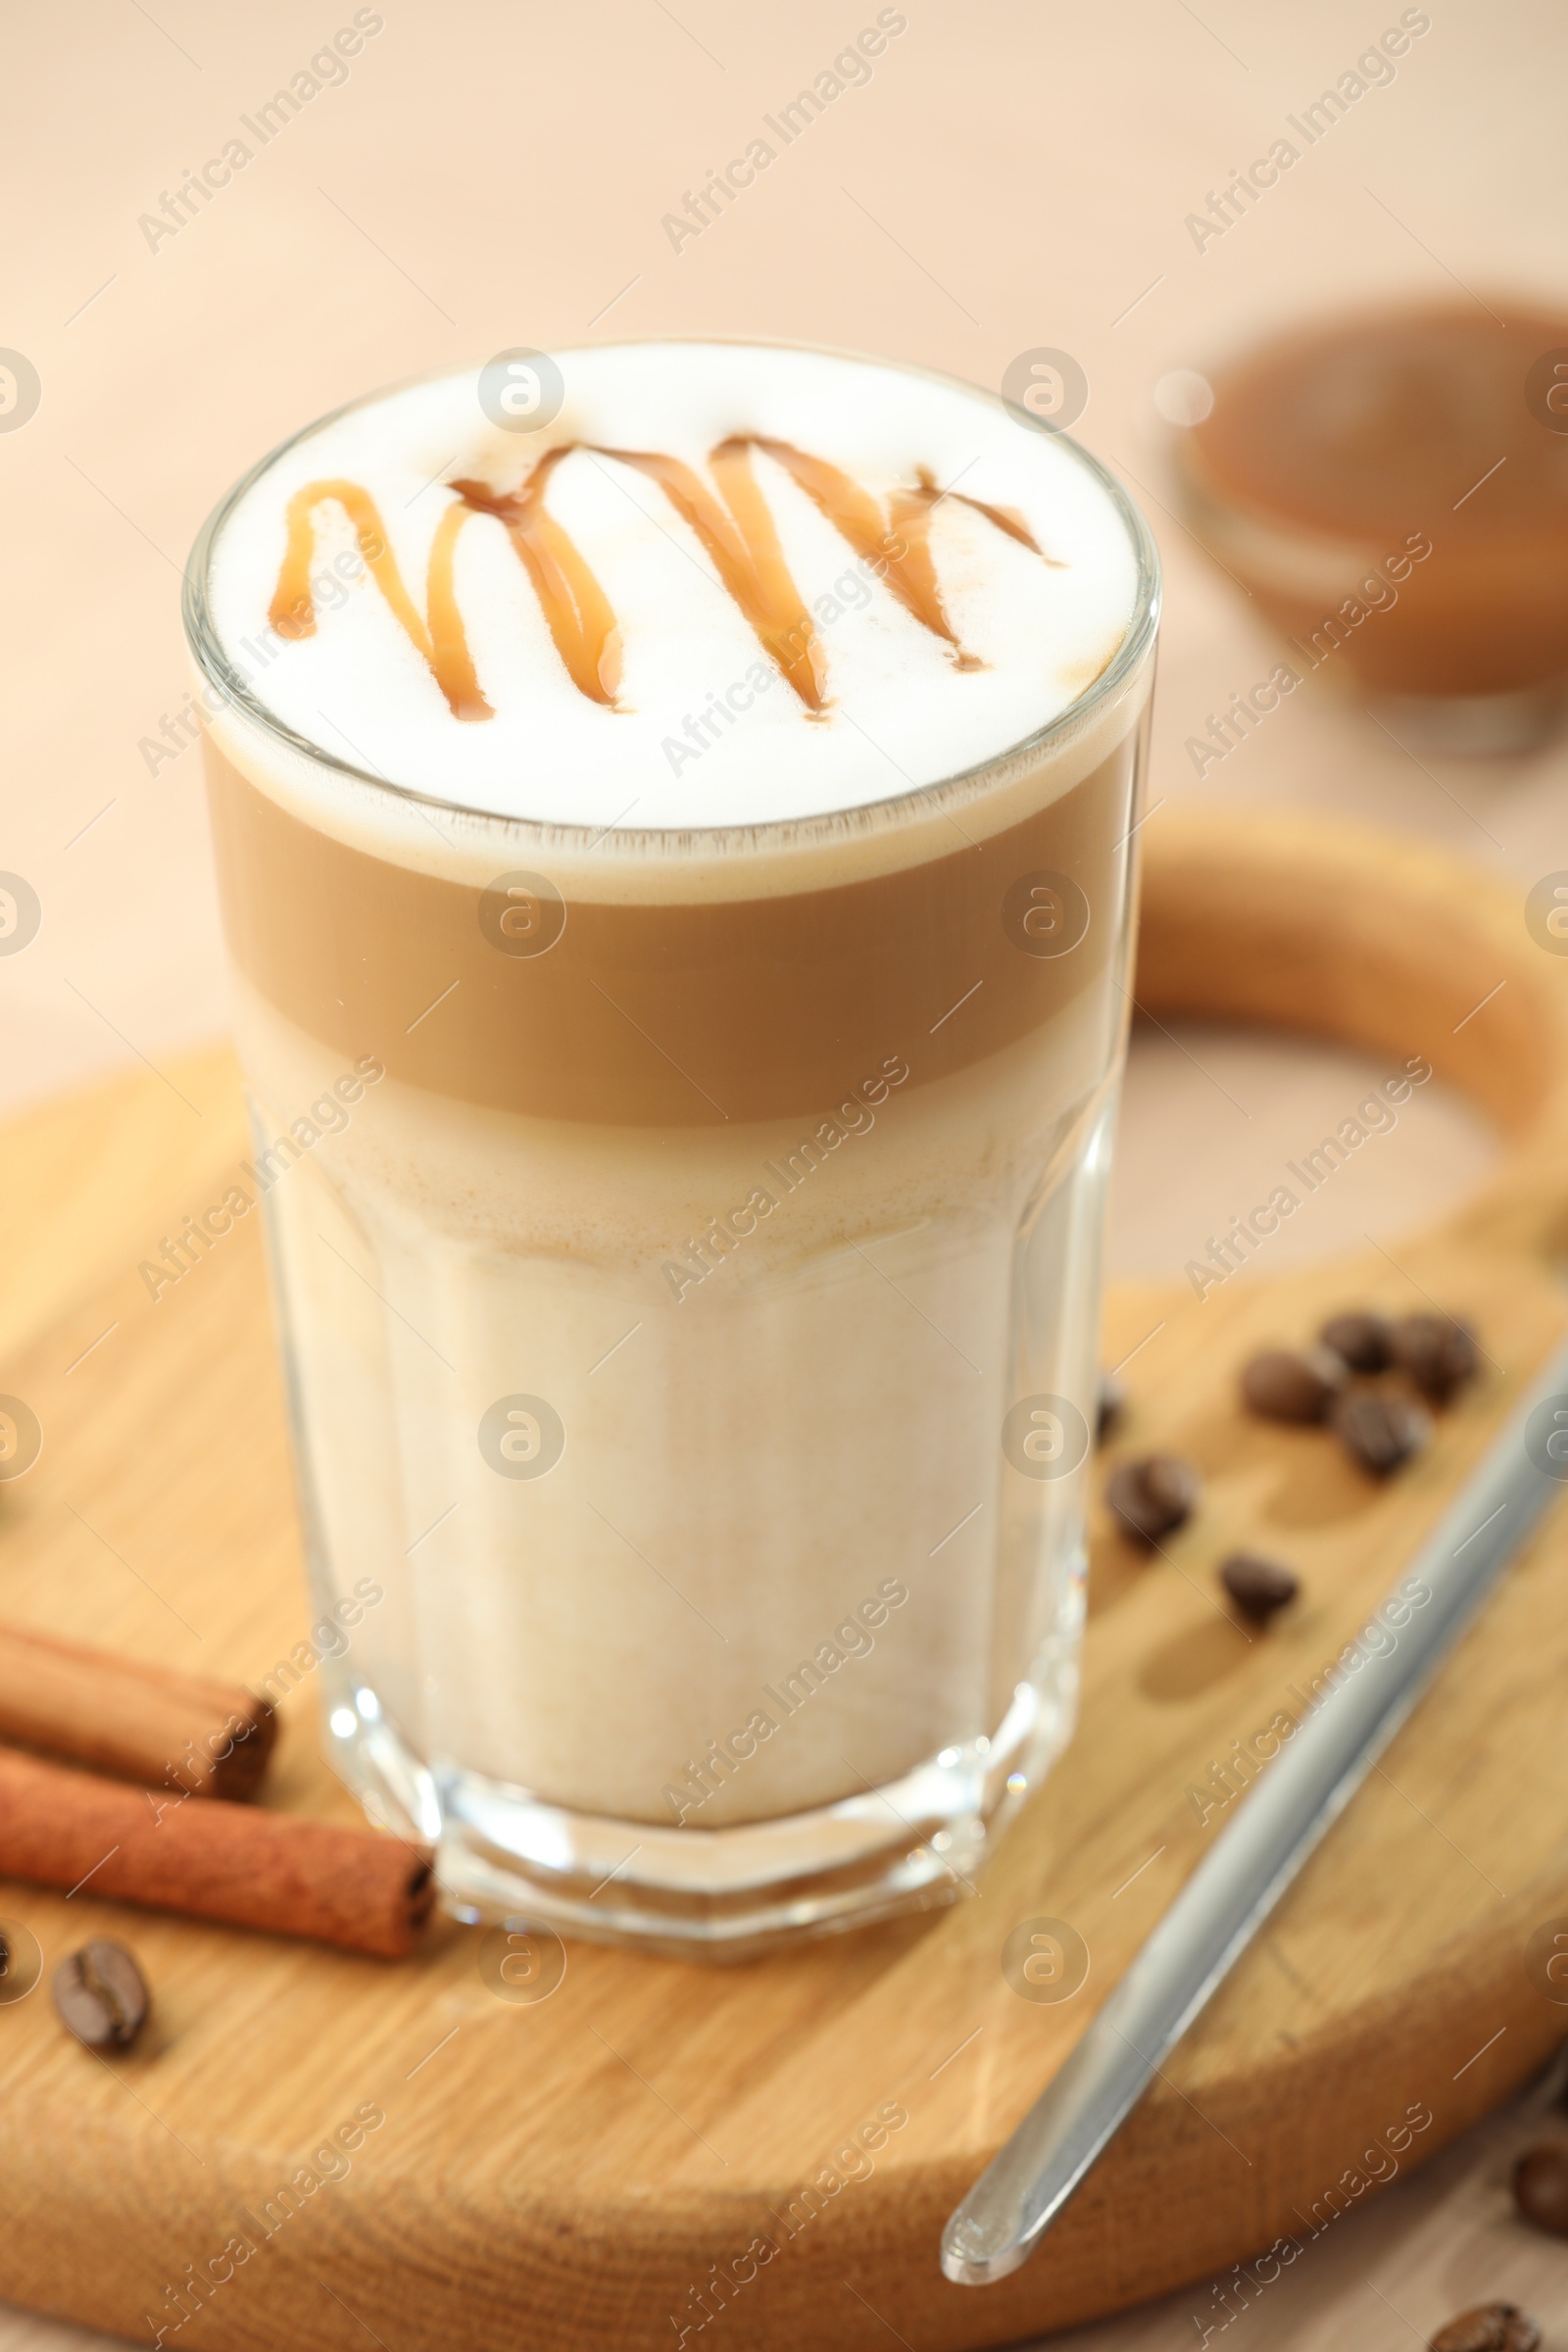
[[219, 671]]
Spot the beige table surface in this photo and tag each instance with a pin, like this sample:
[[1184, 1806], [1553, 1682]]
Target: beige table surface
[[1017, 175]]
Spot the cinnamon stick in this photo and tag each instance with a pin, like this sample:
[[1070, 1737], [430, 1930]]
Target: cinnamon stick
[[352, 1887], [146, 1723]]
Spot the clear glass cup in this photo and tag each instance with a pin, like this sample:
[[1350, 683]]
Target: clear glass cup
[[686, 1253]]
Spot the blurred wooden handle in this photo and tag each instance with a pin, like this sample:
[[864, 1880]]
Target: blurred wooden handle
[[1306, 923]]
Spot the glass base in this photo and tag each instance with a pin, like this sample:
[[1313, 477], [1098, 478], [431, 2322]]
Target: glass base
[[505, 1856], [1473, 725]]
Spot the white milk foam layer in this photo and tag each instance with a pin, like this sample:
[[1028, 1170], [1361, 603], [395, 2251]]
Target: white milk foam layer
[[901, 713]]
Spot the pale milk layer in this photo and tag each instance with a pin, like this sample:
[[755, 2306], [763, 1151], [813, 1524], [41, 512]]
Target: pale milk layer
[[1030, 568], [714, 1518]]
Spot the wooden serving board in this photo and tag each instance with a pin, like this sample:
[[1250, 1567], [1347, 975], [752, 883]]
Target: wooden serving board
[[578, 2171]]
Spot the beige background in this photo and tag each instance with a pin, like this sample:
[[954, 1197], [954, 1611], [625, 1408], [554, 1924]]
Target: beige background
[[1014, 175]]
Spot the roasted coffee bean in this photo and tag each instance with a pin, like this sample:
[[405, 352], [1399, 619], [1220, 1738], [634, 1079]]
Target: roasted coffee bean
[[1381, 1432], [1112, 1405], [1438, 1353], [1540, 2186], [1284, 1386], [100, 1995], [1155, 1495], [1490, 2328], [1258, 1586], [1364, 1341]]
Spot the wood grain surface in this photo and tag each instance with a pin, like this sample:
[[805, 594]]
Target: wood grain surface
[[580, 2170]]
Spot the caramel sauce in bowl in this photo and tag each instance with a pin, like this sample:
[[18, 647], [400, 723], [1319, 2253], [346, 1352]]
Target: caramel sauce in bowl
[[1392, 488]]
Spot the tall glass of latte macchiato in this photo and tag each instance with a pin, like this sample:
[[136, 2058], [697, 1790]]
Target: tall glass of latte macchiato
[[674, 808]]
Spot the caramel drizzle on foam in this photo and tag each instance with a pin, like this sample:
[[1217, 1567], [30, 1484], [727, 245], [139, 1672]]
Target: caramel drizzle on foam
[[735, 527]]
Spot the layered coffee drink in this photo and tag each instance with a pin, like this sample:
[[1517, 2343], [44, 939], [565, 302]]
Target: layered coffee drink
[[676, 846]]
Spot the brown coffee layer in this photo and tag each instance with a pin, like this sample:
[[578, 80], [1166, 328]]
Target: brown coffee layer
[[675, 1015]]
